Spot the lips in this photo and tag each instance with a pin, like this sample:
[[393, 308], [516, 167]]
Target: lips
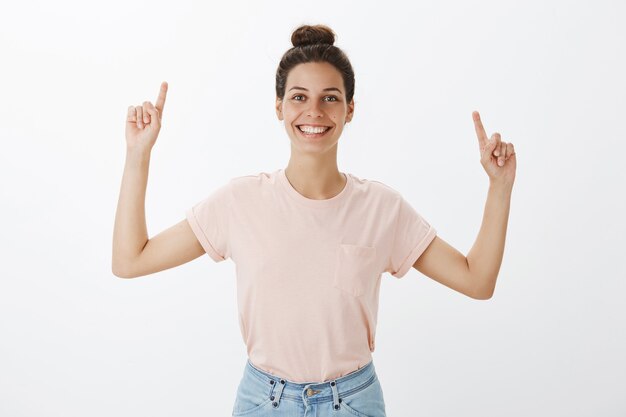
[[327, 128]]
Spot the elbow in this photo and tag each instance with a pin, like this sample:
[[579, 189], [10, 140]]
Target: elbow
[[123, 267], [483, 296], [481, 286], [120, 272], [483, 292], [116, 267]]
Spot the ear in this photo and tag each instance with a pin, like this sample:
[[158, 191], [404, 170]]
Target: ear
[[350, 111], [279, 108]]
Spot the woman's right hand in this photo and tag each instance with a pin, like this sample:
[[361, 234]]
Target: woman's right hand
[[143, 123]]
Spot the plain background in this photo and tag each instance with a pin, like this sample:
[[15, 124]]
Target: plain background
[[548, 76]]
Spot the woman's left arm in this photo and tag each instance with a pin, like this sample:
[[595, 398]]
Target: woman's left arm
[[485, 257], [476, 274]]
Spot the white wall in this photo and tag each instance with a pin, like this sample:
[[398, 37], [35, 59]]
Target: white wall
[[547, 75]]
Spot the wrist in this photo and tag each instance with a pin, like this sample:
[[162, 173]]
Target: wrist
[[141, 153], [500, 187], [137, 156]]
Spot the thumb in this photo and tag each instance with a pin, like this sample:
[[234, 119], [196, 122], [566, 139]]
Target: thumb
[[130, 115], [154, 113], [489, 148]]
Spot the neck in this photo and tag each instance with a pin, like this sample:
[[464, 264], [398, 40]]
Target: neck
[[315, 179]]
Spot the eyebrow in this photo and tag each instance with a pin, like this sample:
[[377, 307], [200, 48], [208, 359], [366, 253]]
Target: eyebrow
[[326, 89]]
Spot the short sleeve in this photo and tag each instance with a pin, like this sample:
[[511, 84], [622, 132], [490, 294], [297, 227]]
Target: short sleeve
[[209, 219], [412, 235]]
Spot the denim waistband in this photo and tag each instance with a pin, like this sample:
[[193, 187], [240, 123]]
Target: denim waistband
[[316, 392]]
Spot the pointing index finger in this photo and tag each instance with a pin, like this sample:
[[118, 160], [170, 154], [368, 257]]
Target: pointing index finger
[[480, 130], [160, 102]]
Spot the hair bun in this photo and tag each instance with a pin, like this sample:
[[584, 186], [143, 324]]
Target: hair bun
[[310, 35]]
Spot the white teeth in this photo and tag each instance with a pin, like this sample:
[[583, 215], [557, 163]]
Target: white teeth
[[310, 129]]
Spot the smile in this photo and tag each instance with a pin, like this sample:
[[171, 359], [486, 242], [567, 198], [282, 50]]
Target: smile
[[313, 131]]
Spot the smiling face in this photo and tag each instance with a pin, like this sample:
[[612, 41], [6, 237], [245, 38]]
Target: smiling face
[[314, 101]]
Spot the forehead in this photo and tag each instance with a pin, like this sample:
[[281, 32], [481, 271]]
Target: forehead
[[314, 75]]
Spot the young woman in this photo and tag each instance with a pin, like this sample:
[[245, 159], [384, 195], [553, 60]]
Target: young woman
[[310, 242]]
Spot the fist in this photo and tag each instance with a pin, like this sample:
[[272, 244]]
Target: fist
[[143, 123]]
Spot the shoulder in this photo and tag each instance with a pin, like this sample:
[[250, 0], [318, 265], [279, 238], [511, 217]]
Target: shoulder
[[246, 185], [250, 180], [375, 189]]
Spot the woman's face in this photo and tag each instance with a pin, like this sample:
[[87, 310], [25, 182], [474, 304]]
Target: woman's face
[[314, 98]]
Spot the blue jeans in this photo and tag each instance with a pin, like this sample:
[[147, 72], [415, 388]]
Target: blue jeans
[[261, 394]]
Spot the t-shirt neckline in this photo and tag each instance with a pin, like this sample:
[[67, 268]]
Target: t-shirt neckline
[[329, 202]]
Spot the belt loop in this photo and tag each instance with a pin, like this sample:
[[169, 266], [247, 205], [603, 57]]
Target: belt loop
[[276, 399], [336, 400]]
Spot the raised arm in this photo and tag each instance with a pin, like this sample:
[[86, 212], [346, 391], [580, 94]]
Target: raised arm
[[133, 253], [475, 275]]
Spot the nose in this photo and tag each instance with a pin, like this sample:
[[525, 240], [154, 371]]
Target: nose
[[315, 110]]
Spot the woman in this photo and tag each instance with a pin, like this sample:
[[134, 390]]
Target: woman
[[310, 242]]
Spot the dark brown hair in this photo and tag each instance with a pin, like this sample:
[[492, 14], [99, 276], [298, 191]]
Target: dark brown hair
[[314, 44]]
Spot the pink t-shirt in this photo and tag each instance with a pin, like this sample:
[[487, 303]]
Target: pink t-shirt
[[308, 271]]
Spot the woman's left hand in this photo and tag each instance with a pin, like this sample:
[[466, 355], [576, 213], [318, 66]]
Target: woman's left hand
[[497, 157]]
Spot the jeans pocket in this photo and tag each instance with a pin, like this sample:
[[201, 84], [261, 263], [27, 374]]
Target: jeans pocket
[[355, 271], [252, 396], [245, 407], [368, 402]]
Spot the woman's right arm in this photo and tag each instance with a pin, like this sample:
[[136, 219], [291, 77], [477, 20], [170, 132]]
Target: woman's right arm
[[134, 254]]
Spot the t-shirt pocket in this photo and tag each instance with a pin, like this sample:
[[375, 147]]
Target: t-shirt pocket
[[355, 271]]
